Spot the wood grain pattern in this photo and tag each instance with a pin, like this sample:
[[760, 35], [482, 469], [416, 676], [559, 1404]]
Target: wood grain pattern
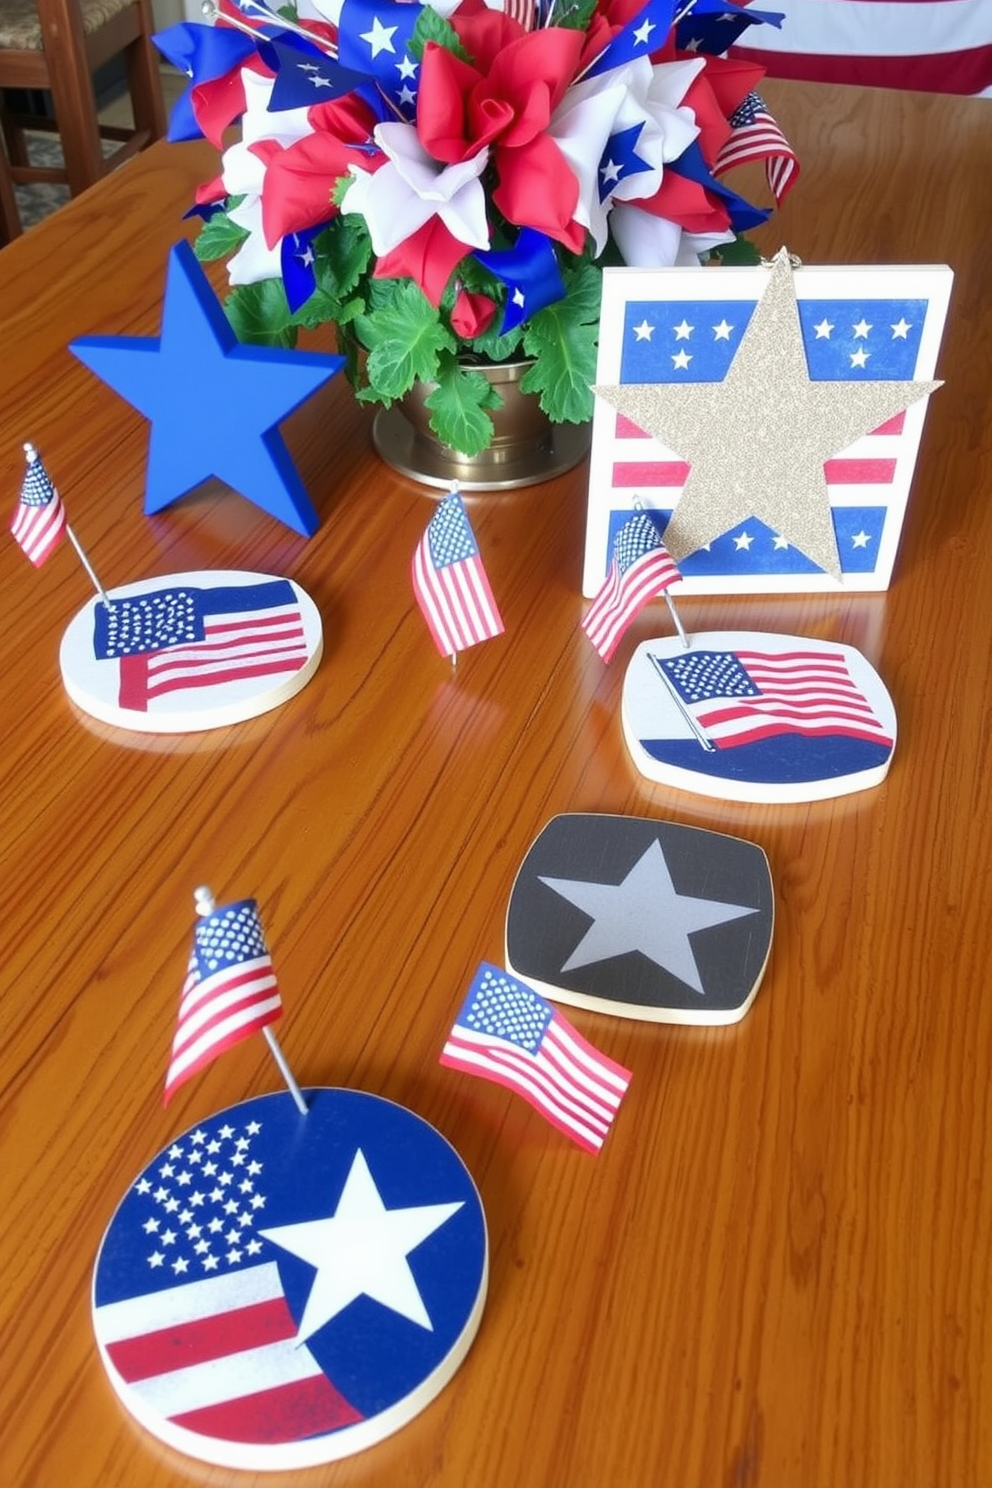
[[777, 1273]]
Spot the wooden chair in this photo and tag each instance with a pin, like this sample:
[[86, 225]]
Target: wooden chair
[[57, 46]]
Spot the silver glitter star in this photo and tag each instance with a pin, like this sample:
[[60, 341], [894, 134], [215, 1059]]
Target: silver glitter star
[[756, 441]]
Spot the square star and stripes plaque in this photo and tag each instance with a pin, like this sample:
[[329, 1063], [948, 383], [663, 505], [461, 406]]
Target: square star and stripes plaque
[[667, 328]]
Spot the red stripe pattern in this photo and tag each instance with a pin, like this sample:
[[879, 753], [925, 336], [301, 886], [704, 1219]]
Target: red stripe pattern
[[219, 1356], [230, 990], [235, 648], [507, 1033], [939, 46], [631, 472]]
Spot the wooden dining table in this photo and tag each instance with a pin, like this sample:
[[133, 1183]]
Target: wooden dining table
[[778, 1270]]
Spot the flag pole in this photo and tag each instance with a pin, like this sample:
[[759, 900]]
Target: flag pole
[[702, 737], [205, 905], [672, 610], [81, 555], [676, 619], [31, 455]]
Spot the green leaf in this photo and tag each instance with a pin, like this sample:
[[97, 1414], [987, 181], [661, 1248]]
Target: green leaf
[[218, 237], [458, 405], [343, 255], [573, 15], [562, 338], [496, 347], [317, 310], [740, 251], [260, 315], [404, 337], [433, 27]]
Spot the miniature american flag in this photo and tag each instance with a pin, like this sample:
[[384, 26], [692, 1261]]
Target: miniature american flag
[[641, 568], [230, 990], [171, 640], [507, 1033], [450, 582], [39, 520], [756, 136], [737, 697]]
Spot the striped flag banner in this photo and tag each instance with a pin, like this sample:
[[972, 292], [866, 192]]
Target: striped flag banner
[[641, 569], [685, 325], [39, 518], [937, 46], [450, 581], [739, 697], [756, 136], [230, 990], [508, 1033], [184, 638]]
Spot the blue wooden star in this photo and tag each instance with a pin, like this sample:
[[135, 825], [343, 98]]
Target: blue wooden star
[[213, 402]]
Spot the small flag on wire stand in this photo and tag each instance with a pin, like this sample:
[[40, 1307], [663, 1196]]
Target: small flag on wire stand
[[39, 520], [640, 569], [450, 581], [508, 1033], [230, 992]]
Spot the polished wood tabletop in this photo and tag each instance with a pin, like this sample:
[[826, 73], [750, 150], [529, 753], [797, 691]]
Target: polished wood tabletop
[[778, 1271]]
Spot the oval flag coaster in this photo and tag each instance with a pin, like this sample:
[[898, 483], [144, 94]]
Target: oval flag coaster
[[643, 919], [278, 1290], [191, 651], [755, 716]]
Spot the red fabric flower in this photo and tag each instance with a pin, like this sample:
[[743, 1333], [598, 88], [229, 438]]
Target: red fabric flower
[[504, 100], [428, 257], [472, 314], [216, 104], [300, 177], [686, 203]]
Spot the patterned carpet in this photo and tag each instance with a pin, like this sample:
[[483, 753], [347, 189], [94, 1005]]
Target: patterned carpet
[[35, 202]]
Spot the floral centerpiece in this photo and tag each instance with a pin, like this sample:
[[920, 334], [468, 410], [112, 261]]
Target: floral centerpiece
[[445, 182]]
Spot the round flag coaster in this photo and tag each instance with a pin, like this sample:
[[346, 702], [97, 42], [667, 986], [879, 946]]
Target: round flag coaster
[[642, 919], [191, 651], [755, 716], [277, 1290]]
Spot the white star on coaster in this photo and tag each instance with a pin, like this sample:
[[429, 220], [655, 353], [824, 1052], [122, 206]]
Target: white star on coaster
[[643, 913], [757, 441], [361, 1250]]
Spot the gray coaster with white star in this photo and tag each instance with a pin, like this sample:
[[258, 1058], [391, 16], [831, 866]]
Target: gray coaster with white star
[[643, 919]]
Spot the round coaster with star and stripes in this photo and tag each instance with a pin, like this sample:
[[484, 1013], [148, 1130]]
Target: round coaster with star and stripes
[[191, 651], [757, 716], [277, 1290]]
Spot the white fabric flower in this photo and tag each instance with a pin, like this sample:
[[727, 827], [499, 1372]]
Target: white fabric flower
[[413, 187], [243, 174], [593, 111], [650, 242]]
